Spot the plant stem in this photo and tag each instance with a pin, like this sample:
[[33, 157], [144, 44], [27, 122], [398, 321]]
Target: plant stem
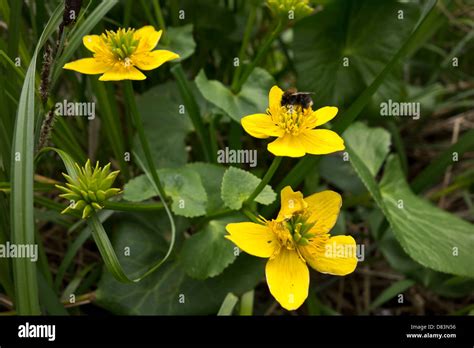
[[260, 54], [213, 136], [268, 176], [246, 303], [193, 110], [160, 19], [150, 171], [131, 206], [137, 121], [248, 31], [248, 213]]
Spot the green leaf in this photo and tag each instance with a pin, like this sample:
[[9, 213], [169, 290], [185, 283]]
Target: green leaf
[[211, 178], [238, 185], [23, 229], [359, 136], [339, 173], [427, 234], [252, 98], [431, 236], [371, 34], [168, 291], [180, 40], [185, 189], [207, 253], [165, 127], [183, 185], [228, 305]]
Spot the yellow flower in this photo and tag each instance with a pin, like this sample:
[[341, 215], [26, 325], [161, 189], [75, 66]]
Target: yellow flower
[[297, 237], [293, 126], [117, 55]]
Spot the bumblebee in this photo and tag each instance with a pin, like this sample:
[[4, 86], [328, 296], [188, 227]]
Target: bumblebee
[[292, 97]]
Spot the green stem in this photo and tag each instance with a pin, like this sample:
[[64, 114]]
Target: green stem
[[160, 20], [248, 213], [149, 168], [268, 176], [245, 42], [214, 216], [246, 303], [213, 137], [193, 109], [131, 206], [137, 121], [260, 54]]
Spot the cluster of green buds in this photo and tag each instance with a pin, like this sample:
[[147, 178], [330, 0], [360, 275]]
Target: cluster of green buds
[[300, 229], [89, 189], [290, 9]]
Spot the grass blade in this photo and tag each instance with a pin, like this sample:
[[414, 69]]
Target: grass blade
[[23, 229], [392, 291], [433, 172]]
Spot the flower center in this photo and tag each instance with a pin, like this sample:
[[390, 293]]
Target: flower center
[[292, 118], [300, 228], [121, 43], [282, 234], [293, 231]]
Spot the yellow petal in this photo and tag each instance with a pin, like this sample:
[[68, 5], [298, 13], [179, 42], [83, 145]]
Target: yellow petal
[[337, 256], [152, 60], [148, 38], [121, 72], [323, 115], [92, 42], [291, 202], [260, 126], [274, 99], [321, 141], [287, 145], [254, 239], [87, 66], [324, 207], [288, 278]]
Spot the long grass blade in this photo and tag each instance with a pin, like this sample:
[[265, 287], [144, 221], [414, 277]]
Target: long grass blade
[[23, 229]]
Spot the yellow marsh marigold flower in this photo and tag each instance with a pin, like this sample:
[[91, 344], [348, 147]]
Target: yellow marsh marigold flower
[[293, 126], [117, 55], [88, 191], [297, 237]]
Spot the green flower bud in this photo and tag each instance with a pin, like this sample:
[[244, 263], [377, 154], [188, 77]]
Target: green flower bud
[[290, 9], [89, 189]]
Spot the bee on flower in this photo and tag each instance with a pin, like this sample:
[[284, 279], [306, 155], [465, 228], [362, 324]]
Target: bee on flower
[[291, 119], [299, 237]]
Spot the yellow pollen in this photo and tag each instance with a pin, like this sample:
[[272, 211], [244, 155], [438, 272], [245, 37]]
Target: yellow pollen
[[292, 118], [282, 233]]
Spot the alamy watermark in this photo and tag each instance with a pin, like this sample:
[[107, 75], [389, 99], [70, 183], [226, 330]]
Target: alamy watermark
[[20, 251], [338, 250], [67, 108], [393, 108], [237, 156]]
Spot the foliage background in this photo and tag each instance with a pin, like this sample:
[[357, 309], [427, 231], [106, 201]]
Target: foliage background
[[409, 251]]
